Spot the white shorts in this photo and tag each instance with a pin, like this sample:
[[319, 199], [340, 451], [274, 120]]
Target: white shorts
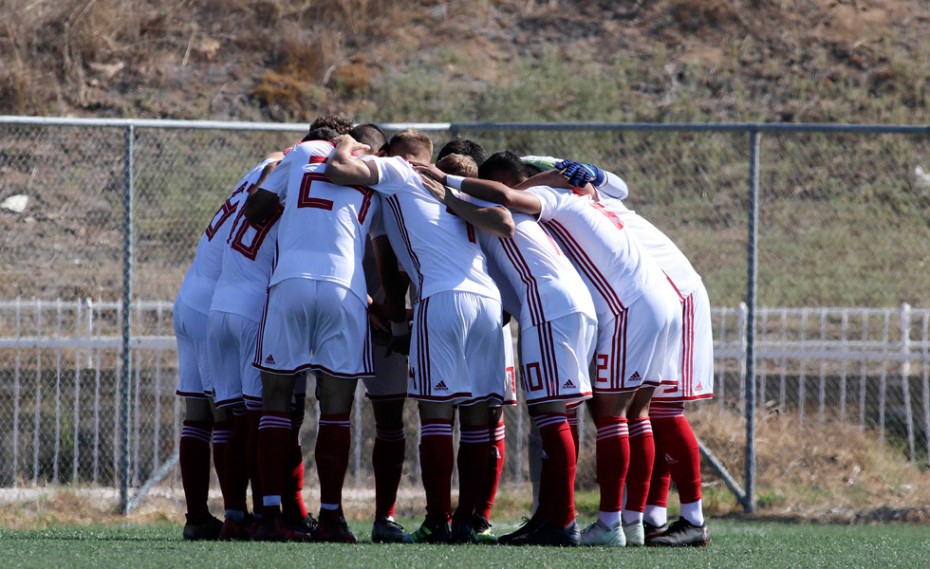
[[633, 347], [457, 352], [555, 358], [693, 358], [231, 342], [314, 325], [510, 367], [390, 379], [190, 329]]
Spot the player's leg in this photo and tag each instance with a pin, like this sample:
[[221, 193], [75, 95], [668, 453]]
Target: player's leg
[[334, 437], [293, 508], [473, 457], [387, 457], [194, 444], [642, 457], [436, 462]]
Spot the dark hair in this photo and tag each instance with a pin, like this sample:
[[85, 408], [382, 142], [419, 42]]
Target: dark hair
[[505, 162], [338, 123], [321, 133], [370, 134], [463, 146]]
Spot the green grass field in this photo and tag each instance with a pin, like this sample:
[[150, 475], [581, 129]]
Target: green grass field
[[733, 544]]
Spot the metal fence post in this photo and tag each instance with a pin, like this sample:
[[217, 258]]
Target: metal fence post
[[126, 355], [753, 266], [906, 379]]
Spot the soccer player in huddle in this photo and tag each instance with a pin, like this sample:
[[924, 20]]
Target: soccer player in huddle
[[637, 311], [191, 311], [557, 327], [456, 351]]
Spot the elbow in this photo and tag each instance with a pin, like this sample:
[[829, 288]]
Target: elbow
[[503, 225]]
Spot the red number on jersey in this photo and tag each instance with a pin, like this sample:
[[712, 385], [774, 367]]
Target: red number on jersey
[[258, 233], [304, 199], [532, 370], [469, 228], [602, 362], [226, 210], [610, 215]]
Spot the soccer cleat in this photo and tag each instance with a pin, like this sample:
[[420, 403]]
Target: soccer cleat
[[334, 529], [529, 524], [650, 531], [202, 529], [682, 533], [432, 531], [483, 530], [387, 530], [236, 531], [307, 525], [635, 534], [548, 534], [599, 534], [463, 531], [273, 528]]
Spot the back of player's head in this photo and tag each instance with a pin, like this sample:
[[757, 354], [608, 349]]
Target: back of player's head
[[340, 124], [458, 165], [504, 167], [321, 133], [371, 135], [463, 146], [411, 144]]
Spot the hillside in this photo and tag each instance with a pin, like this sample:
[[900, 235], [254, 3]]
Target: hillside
[[483, 60]]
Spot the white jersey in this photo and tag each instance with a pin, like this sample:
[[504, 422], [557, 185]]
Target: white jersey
[[537, 281], [438, 250], [610, 260], [324, 227], [247, 264], [658, 245], [200, 281]]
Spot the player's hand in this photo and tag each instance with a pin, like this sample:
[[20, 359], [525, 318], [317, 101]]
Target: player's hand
[[354, 146], [429, 171], [579, 175], [435, 188]]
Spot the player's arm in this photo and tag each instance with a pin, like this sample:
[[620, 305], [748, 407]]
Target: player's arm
[[261, 203], [394, 281], [578, 175], [487, 190], [494, 220], [344, 169]]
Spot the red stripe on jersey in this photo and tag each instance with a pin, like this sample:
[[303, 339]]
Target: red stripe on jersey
[[398, 213], [526, 276], [586, 266]]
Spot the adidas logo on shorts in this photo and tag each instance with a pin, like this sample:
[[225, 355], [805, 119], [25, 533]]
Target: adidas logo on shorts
[[568, 384], [441, 386], [635, 376], [269, 359]]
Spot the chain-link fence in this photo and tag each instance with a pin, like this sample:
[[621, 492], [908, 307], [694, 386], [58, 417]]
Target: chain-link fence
[[101, 220]]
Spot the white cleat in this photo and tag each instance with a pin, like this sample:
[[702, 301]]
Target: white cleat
[[599, 534], [635, 534]]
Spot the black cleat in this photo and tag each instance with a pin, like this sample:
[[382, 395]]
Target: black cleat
[[549, 534], [307, 525], [463, 531], [650, 531], [202, 529], [682, 533], [529, 524], [433, 530], [483, 530], [389, 531], [333, 528]]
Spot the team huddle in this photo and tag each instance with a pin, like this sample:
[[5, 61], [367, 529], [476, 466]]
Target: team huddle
[[348, 240]]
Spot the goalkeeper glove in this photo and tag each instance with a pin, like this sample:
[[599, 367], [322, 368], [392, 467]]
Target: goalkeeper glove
[[579, 174]]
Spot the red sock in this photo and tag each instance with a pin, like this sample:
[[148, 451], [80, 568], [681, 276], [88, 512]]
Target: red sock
[[642, 456], [495, 467], [557, 498], [274, 449], [292, 502], [332, 455], [613, 460], [573, 425], [436, 462], [222, 430], [194, 457], [251, 458], [682, 455], [387, 458], [474, 452], [235, 470]]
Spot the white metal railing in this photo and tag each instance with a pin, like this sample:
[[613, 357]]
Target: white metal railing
[[868, 366]]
